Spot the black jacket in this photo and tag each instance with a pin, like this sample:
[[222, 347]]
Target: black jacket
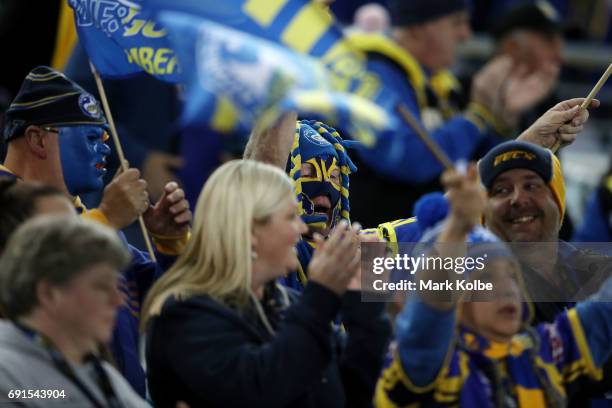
[[208, 355]]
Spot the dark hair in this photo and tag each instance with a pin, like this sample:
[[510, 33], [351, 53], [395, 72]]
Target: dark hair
[[18, 203]]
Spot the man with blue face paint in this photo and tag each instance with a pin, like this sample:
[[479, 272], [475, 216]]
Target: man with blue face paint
[[80, 146], [56, 135]]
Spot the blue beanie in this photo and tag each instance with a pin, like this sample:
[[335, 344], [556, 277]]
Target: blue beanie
[[49, 98]]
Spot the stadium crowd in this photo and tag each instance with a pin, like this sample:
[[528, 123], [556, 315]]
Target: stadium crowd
[[256, 290]]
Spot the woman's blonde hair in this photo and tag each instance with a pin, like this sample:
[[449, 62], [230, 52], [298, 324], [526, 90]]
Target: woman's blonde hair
[[218, 257]]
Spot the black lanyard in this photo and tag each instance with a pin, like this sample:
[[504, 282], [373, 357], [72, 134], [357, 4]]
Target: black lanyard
[[63, 367]]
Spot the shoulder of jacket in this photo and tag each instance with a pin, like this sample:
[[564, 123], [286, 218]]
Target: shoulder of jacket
[[386, 47]]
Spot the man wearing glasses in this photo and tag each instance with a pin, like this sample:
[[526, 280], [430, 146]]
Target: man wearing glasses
[[56, 135]]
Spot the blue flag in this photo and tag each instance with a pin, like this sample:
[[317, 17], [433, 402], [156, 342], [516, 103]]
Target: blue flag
[[259, 80], [307, 28], [121, 41], [304, 26]]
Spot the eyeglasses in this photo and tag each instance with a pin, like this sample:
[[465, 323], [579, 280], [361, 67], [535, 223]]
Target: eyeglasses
[[50, 129]]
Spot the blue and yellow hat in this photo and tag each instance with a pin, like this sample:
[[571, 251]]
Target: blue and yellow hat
[[47, 97], [521, 155], [316, 139]]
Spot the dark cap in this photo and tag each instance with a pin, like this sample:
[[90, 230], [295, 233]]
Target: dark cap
[[47, 97], [412, 12], [540, 17]]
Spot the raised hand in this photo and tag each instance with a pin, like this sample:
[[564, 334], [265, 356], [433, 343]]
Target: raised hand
[[336, 261], [466, 198], [124, 198], [563, 122], [508, 89], [170, 216], [524, 89]]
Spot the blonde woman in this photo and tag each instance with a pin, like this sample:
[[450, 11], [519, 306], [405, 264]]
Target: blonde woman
[[220, 332]]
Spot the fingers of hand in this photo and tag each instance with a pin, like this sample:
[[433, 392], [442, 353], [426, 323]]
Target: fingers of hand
[[369, 238], [472, 173], [354, 263], [570, 103], [179, 207], [137, 194], [451, 179], [336, 235], [184, 217], [170, 187], [176, 196], [594, 103], [567, 138], [580, 118], [570, 129], [128, 175]]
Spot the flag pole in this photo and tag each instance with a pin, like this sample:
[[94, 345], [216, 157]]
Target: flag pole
[[588, 99], [122, 161], [433, 147]]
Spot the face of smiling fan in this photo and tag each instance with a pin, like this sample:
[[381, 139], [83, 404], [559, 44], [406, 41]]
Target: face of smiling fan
[[522, 208]]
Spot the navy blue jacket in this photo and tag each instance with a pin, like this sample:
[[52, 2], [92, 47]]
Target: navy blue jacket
[[208, 355]]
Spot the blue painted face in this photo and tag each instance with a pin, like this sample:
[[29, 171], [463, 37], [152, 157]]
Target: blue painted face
[[83, 154]]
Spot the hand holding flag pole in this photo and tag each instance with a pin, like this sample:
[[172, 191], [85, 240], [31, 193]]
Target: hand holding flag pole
[[120, 154], [588, 100]]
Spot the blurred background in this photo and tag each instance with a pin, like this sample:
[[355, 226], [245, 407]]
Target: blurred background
[[35, 32]]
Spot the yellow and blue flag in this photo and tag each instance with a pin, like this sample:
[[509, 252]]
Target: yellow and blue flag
[[259, 79], [243, 62], [122, 41], [307, 28]]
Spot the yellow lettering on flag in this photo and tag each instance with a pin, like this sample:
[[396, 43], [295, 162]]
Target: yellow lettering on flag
[[161, 61]]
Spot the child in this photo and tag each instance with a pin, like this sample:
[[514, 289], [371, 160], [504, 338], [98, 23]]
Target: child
[[483, 354]]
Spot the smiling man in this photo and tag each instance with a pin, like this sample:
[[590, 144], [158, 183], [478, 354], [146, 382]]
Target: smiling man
[[526, 206], [526, 192]]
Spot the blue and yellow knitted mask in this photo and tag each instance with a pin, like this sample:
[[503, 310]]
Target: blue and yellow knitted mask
[[329, 167]]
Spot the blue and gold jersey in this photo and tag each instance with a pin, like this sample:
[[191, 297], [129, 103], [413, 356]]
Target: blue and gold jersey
[[534, 370], [435, 94]]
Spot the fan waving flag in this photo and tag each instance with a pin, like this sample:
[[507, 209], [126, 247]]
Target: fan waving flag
[[305, 26], [242, 62], [121, 41], [259, 79]]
